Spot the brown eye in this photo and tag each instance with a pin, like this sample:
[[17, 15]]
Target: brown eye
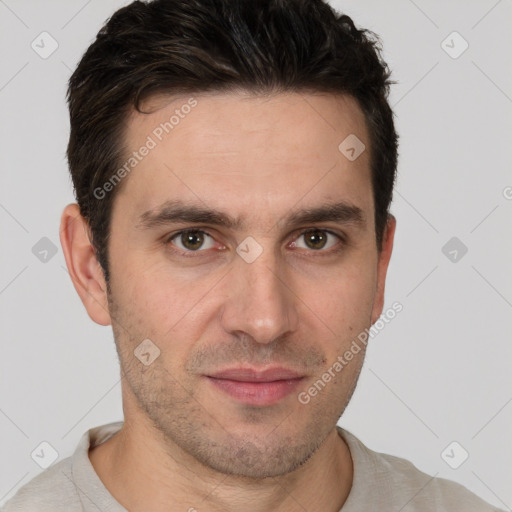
[[317, 239], [192, 240]]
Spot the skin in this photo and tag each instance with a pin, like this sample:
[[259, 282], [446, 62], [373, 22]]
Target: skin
[[185, 443]]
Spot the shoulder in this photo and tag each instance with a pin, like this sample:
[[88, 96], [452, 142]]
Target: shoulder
[[63, 486], [430, 492], [52, 490], [400, 483]]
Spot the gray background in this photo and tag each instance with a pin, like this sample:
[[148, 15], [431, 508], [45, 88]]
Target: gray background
[[438, 373]]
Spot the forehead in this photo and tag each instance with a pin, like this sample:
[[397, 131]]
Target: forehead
[[244, 151]]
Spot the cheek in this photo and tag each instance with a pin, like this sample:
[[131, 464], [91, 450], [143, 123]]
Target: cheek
[[164, 306], [179, 305], [344, 298], [146, 289]]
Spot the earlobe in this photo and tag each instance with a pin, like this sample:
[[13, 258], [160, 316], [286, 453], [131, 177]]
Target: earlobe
[[382, 267], [84, 269]]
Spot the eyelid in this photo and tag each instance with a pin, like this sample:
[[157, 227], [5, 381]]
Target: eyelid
[[341, 238], [168, 239], [297, 234]]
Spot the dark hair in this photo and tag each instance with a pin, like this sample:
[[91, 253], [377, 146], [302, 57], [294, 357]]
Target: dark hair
[[187, 46]]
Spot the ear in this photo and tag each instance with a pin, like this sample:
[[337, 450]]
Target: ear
[[84, 269], [382, 267]]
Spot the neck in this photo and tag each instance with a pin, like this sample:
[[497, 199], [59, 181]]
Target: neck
[[143, 472]]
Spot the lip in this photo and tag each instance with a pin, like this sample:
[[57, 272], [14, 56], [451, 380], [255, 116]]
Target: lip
[[248, 374], [256, 387]]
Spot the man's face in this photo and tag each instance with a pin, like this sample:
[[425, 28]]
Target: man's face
[[285, 298]]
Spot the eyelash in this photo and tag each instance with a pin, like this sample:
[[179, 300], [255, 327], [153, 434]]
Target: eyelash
[[194, 254]]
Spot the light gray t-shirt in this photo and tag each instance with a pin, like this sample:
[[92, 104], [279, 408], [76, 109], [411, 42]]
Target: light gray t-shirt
[[381, 482]]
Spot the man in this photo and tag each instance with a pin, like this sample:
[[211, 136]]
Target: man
[[233, 164]]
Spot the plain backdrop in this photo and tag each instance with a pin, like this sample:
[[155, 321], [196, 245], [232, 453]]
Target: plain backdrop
[[438, 373]]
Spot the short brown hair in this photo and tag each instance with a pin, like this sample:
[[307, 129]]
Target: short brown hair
[[187, 46]]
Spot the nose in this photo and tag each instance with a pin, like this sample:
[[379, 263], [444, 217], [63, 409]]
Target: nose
[[260, 301]]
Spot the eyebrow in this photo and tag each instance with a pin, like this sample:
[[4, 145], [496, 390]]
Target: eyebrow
[[174, 211]]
